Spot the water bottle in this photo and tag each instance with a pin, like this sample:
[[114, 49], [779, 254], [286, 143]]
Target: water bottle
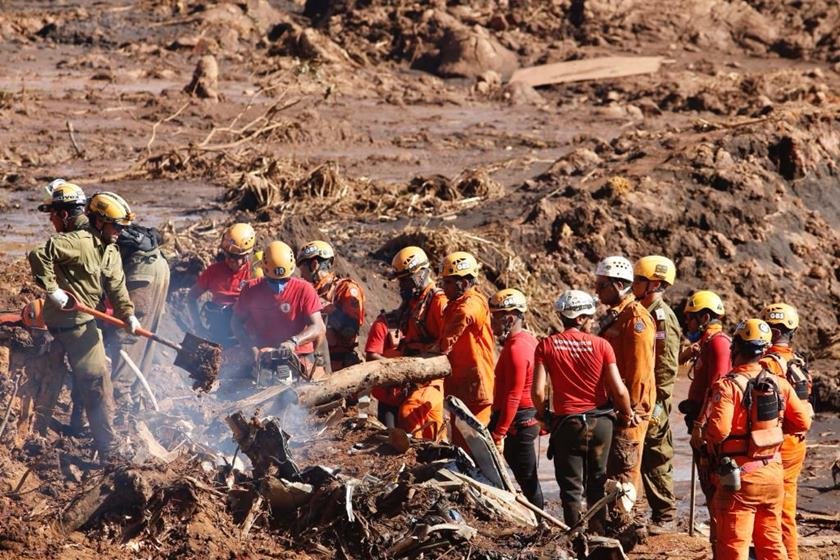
[[730, 474]]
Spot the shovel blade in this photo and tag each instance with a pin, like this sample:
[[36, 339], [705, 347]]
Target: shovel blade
[[201, 358]]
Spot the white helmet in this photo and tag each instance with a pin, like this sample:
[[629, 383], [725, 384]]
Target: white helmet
[[573, 303], [615, 267]]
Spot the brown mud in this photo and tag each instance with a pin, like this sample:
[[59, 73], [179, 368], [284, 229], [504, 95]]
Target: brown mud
[[374, 124]]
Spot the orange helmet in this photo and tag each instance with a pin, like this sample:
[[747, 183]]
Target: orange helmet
[[408, 261], [754, 334], [320, 249], [460, 263], [278, 261], [781, 314], [509, 299], [239, 239], [33, 314]]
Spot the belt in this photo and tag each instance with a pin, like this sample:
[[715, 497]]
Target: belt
[[59, 330], [753, 466]]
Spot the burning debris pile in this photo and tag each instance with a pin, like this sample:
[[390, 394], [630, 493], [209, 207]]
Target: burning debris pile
[[322, 482]]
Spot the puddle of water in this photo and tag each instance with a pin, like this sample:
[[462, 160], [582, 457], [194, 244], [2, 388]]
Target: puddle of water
[[154, 202]]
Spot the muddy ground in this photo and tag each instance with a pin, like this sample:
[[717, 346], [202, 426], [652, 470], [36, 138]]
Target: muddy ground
[[377, 124]]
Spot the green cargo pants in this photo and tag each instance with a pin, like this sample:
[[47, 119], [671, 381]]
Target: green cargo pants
[[86, 356], [149, 298], [657, 466]]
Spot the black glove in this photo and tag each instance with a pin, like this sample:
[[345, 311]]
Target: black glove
[[691, 410]]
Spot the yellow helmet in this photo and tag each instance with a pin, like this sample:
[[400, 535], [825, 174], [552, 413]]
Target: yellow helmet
[[409, 260], [110, 207], [460, 263], [278, 260], [753, 332], [656, 267], [781, 314], [32, 314], [256, 265], [320, 249], [704, 299], [61, 194], [509, 299], [239, 239]]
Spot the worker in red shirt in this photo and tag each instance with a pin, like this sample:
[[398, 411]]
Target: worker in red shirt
[[415, 327], [710, 353], [709, 349], [748, 412], [277, 310], [467, 339], [781, 360], [513, 423], [383, 342], [586, 388], [344, 302], [224, 280]]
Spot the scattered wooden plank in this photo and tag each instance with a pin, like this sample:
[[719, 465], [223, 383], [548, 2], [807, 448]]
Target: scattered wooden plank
[[609, 67]]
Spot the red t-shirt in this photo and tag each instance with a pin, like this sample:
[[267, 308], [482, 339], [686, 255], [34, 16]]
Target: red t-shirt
[[514, 377], [224, 283], [380, 342], [271, 318], [712, 363], [575, 362]]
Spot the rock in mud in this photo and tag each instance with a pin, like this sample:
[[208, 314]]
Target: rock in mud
[[205, 80], [466, 52]]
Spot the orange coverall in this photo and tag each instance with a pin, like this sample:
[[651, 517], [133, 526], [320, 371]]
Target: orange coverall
[[754, 511], [632, 336], [421, 413], [793, 456], [467, 340], [344, 315]]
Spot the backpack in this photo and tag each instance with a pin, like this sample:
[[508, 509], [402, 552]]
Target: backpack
[[796, 373], [765, 411], [135, 238]]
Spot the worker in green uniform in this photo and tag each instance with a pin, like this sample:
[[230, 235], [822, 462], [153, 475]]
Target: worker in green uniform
[[147, 281], [86, 264], [652, 275]]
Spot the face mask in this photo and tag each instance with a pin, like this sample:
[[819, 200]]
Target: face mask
[[277, 285], [694, 336], [407, 292]]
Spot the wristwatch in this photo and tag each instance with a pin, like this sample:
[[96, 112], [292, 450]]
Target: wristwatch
[[295, 340]]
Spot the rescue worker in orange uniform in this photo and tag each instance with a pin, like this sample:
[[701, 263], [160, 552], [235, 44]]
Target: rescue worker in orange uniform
[[631, 332], [748, 412], [466, 338], [513, 424], [344, 302], [652, 276], [710, 354], [414, 329], [781, 360], [278, 310], [224, 279]]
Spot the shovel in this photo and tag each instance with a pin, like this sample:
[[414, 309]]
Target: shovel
[[201, 358]]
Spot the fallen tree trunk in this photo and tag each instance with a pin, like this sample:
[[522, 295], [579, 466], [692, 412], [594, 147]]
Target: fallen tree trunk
[[350, 381], [367, 375]]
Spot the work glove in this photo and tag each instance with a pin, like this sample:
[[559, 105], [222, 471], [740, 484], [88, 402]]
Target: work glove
[[59, 297], [132, 324], [691, 410]]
